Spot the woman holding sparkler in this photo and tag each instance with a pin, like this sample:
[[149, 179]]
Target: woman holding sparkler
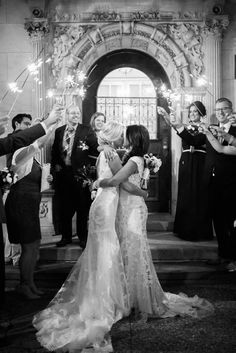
[[192, 218]]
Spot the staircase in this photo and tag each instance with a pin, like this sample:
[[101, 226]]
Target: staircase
[[175, 260]]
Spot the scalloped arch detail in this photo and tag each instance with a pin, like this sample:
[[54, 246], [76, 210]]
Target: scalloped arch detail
[[153, 41]]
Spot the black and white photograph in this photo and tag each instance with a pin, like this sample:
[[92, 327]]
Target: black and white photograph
[[118, 176]]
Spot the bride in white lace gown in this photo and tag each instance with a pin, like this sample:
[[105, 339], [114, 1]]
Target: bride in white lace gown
[[146, 294], [95, 295]]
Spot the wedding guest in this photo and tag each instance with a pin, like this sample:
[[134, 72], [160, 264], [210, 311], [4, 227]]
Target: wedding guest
[[192, 217], [219, 176], [22, 213], [97, 121], [74, 147], [8, 145], [229, 149], [12, 251]]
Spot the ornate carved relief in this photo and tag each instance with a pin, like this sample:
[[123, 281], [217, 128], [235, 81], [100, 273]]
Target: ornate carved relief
[[37, 28], [64, 40], [59, 15], [172, 39], [216, 25], [189, 39]]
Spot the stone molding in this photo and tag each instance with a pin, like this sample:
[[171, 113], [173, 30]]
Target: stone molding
[[59, 15]]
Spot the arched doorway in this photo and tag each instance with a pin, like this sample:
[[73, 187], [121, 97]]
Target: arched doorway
[[160, 186]]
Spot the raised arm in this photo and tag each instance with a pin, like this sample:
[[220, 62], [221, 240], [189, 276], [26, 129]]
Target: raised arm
[[176, 123], [126, 185], [218, 147]]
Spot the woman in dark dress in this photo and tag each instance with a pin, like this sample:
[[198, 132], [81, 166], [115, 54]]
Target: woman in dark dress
[[22, 212], [192, 218]]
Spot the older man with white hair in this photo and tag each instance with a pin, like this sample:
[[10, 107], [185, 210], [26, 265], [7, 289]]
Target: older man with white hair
[[72, 149]]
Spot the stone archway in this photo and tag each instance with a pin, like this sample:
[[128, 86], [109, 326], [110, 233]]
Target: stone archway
[[112, 61], [96, 42], [94, 45]]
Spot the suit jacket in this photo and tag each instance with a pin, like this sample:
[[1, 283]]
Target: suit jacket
[[79, 156], [223, 165], [11, 143]]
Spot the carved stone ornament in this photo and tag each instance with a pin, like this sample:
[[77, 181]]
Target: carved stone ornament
[[37, 27], [43, 209], [216, 25], [189, 39], [64, 40]]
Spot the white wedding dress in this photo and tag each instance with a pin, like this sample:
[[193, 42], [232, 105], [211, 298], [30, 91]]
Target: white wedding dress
[[94, 296], [146, 294]]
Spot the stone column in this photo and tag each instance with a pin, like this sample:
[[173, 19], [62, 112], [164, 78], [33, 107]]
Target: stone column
[[37, 29], [213, 30]]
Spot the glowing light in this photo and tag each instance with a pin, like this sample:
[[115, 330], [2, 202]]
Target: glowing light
[[48, 60], [81, 76], [33, 69], [50, 93], [188, 98], [14, 88], [82, 92]]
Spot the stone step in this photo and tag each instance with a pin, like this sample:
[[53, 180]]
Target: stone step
[[164, 247], [174, 259], [160, 222], [52, 275]]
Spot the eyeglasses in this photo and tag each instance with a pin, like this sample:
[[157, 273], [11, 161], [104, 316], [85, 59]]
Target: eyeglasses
[[222, 109]]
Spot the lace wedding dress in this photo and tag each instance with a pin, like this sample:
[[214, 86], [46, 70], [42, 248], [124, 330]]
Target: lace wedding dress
[[94, 296], [146, 293]]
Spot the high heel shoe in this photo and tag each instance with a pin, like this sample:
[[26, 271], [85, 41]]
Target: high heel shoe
[[25, 290]]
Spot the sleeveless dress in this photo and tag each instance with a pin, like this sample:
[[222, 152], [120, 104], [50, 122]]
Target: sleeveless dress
[[193, 221], [94, 296], [146, 293]]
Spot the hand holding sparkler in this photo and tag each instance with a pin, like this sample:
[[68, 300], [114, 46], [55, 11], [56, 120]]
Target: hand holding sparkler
[[232, 119], [171, 118], [54, 116]]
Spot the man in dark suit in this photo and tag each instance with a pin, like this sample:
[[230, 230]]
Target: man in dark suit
[[220, 176], [74, 147], [10, 144]]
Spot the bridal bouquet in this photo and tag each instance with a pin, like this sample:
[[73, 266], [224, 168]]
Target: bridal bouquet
[[86, 175], [152, 165], [7, 178]]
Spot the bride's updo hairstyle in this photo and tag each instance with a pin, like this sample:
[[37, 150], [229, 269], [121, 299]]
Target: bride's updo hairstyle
[[138, 139], [110, 132]]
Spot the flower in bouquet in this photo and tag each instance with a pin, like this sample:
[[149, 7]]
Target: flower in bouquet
[[151, 166], [86, 175], [7, 178]]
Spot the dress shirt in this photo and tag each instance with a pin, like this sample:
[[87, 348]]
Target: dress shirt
[[24, 166], [226, 126]]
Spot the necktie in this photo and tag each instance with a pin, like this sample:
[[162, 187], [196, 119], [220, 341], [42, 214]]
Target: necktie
[[68, 142], [221, 138]]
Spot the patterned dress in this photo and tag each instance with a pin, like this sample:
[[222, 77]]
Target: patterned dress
[[146, 293], [94, 296]]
